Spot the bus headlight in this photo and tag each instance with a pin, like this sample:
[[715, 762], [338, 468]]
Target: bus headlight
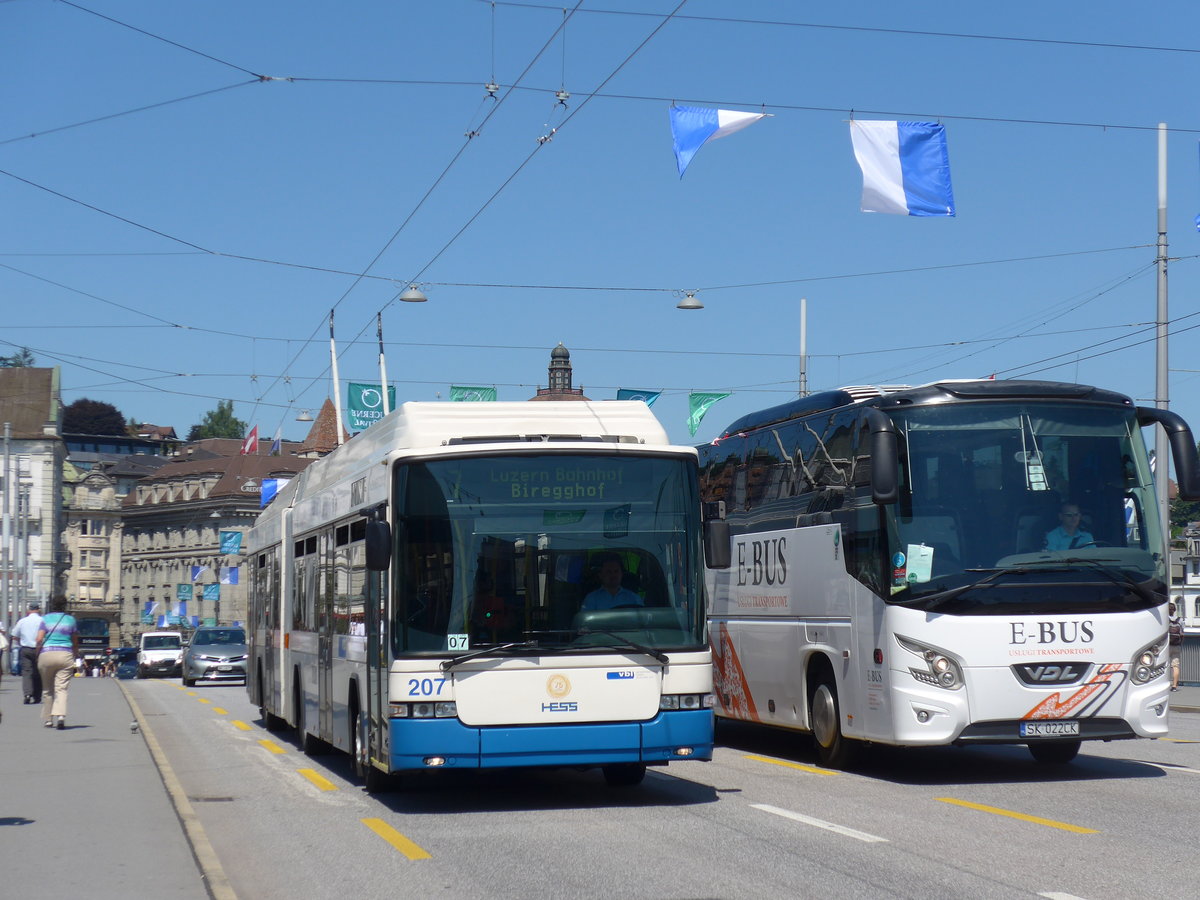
[[685, 701], [446, 710], [941, 669], [1149, 662]]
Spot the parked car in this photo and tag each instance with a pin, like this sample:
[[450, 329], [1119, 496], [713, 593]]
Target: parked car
[[215, 654], [126, 661], [159, 653]]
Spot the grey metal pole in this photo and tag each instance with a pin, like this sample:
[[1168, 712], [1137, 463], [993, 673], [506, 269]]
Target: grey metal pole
[[1161, 393], [803, 346], [6, 531]]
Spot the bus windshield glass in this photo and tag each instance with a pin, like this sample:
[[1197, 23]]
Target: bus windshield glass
[[1017, 506], [553, 552]]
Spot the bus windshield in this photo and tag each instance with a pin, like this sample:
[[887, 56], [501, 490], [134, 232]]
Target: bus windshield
[[547, 551], [1008, 507]]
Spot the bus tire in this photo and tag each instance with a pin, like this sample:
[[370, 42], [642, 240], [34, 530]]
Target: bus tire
[[624, 774], [834, 749], [374, 781], [1055, 753], [309, 743]]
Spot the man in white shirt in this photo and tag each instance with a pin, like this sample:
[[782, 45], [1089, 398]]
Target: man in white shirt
[[24, 642]]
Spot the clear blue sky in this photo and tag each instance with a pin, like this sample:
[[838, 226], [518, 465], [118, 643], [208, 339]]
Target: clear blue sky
[[187, 253]]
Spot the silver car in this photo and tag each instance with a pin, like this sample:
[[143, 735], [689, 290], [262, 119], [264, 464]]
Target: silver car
[[215, 654]]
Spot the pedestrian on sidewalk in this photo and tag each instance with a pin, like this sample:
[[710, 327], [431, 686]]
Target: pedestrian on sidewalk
[[58, 647], [1174, 643], [25, 636]]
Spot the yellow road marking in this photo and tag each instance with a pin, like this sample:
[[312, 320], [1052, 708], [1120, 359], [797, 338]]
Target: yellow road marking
[[791, 765], [396, 839], [322, 783], [272, 746], [191, 693], [1179, 741], [220, 712], [203, 700], [1049, 823], [240, 725]]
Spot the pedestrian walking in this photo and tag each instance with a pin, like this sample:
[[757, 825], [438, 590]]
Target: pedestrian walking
[[1174, 642], [24, 646], [58, 648]]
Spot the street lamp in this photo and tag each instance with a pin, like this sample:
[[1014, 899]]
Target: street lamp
[[414, 294], [689, 301]]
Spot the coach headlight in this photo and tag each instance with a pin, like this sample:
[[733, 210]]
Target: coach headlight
[[1149, 662], [940, 669]]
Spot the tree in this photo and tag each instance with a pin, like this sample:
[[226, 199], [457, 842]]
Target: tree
[[18, 360], [219, 423], [86, 416]]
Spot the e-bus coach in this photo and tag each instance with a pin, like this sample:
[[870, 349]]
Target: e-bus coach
[[896, 578], [418, 595]]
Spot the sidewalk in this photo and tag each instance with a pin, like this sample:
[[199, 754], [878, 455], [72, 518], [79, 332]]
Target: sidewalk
[[83, 811], [1186, 699]]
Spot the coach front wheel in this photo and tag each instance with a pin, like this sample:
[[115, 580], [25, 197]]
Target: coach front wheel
[[833, 749]]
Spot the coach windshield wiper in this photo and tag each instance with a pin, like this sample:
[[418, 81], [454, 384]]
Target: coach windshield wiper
[[624, 644], [448, 664]]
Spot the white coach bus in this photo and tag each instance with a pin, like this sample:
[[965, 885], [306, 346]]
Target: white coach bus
[[423, 596], [910, 567]]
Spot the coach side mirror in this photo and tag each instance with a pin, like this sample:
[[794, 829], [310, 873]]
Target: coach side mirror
[[1183, 448], [885, 460], [379, 545]]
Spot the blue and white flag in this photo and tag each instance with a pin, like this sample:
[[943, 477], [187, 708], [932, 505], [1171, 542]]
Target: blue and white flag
[[905, 166], [694, 126], [647, 397]]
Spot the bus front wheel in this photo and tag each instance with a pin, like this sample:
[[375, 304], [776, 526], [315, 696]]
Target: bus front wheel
[[1054, 752], [373, 780], [834, 751], [624, 775]]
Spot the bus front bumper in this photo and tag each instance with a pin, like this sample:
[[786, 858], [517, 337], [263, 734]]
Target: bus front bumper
[[669, 736]]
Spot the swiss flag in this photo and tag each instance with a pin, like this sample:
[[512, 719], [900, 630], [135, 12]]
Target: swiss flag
[[250, 444]]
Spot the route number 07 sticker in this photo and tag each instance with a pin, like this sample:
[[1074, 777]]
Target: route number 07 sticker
[[458, 642]]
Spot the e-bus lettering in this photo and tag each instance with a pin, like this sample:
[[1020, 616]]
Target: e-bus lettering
[[1074, 632], [767, 563]]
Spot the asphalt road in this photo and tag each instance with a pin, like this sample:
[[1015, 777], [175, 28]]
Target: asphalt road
[[760, 820]]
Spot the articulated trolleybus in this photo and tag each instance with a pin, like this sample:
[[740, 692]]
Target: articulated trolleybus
[[429, 594], [976, 561]]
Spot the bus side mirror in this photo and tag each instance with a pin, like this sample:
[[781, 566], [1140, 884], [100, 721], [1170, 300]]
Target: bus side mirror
[[717, 553], [1183, 448], [379, 545], [885, 460]]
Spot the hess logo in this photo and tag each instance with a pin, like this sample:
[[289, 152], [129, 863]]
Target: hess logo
[[560, 706]]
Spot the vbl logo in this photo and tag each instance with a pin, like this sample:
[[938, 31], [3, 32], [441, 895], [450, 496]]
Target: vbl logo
[[561, 706], [766, 565]]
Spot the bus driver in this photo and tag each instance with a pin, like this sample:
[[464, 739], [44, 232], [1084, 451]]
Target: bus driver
[[611, 594]]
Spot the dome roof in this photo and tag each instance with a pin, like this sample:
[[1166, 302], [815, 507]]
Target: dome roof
[[560, 352]]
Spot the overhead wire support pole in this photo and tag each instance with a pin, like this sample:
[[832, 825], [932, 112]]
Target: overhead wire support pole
[[383, 382], [337, 388], [1161, 393]]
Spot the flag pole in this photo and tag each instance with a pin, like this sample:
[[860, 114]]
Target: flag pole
[[383, 382], [337, 388], [1161, 394]]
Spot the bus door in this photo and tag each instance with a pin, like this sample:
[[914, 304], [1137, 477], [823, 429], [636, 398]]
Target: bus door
[[325, 625], [375, 622]]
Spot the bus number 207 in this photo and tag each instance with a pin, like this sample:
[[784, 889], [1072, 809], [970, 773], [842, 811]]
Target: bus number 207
[[426, 687]]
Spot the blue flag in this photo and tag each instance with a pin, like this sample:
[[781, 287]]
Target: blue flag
[[905, 167], [694, 126], [647, 397]]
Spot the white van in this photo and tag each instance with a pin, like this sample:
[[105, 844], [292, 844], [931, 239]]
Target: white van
[[160, 653]]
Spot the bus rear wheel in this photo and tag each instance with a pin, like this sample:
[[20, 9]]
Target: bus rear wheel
[[834, 750], [624, 775], [1054, 752]]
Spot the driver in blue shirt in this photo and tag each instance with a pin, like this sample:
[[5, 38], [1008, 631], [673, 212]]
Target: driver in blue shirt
[[1068, 535], [611, 593]]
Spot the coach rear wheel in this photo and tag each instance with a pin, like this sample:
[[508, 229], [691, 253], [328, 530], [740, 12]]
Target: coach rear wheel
[[1054, 752], [834, 751], [624, 775]]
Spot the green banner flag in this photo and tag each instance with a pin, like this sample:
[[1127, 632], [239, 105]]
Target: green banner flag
[[468, 394], [183, 592], [365, 405], [698, 404]]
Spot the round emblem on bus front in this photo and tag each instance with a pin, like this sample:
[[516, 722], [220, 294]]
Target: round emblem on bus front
[[558, 685]]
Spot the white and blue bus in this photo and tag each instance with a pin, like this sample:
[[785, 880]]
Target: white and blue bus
[[900, 574], [419, 594]]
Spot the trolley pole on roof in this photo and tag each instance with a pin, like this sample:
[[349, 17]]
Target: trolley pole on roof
[[803, 347], [1161, 393]]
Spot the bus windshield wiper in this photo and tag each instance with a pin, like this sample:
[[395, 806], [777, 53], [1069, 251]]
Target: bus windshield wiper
[[937, 598], [624, 644], [448, 664]]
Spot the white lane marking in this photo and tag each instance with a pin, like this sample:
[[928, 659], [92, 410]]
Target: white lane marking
[[1058, 895], [828, 826], [1172, 767]]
